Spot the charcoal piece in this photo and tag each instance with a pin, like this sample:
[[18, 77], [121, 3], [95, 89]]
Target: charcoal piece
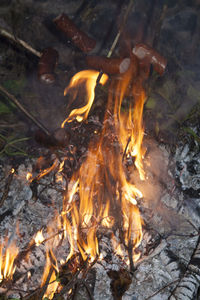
[[62, 137], [120, 282], [68, 269]]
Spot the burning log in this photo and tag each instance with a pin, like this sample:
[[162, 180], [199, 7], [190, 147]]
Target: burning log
[[47, 64], [148, 55], [80, 39], [109, 65]]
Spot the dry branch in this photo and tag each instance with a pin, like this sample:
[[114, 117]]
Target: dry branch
[[20, 42], [7, 187], [21, 107]]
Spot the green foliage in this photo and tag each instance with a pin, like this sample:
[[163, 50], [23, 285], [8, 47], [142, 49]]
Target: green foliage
[[6, 109], [192, 133], [151, 103], [10, 146], [15, 86]]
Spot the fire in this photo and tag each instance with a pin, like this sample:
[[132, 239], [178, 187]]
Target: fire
[[99, 194], [49, 270], [30, 178], [105, 195], [39, 238], [8, 253], [89, 79]]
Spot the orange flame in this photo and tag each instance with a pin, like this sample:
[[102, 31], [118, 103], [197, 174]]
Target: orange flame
[[100, 193], [8, 253], [106, 197], [30, 178], [52, 283], [89, 78], [39, 238]]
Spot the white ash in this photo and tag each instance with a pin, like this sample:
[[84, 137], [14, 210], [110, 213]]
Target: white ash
[[162, 265], [188, 166]]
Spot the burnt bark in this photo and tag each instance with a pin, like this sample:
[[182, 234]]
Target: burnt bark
[[188, 285]]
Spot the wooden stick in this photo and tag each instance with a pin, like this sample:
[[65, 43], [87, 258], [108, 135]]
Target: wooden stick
[[121, 29], [21, 107], [20, 42], [113, 46]]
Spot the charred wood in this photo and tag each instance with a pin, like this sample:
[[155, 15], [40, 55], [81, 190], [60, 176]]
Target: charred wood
[[189, 283]]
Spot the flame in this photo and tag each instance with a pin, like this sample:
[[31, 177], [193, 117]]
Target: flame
[[30, 178], [100, 193], [59, 177], [130, 124], [89, 78], [39, 238], [105, 195], [52, 283], [8, 253]]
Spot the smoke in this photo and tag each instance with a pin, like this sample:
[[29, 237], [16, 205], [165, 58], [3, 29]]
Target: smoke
[[159, 206]]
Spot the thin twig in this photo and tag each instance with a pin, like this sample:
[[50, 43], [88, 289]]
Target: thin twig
[[20, 42], [121, 29], [88, 290], [41, 290], [7, 187], [160, 290], [44, 288], [70, 284], [21, 107], [124, 154], [114, 44]]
